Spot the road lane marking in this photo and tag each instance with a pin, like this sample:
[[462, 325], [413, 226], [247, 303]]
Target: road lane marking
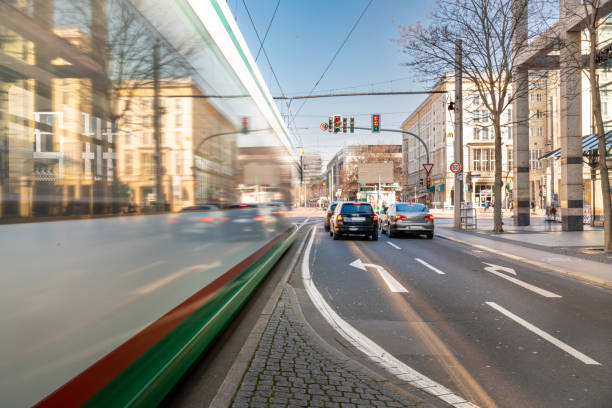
[[374, 352], [393, 245], [433, 268], [493, 267], [526, 285], [392, 283], [568, 349]]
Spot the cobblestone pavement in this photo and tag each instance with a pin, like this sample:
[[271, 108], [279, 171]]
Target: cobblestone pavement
[[289, 370]]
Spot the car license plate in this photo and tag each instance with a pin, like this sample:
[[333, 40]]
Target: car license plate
[[358, 219], [353, 228]]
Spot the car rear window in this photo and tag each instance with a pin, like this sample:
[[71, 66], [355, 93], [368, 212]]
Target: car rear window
[[410, 207], [356, 209], [333, 206]]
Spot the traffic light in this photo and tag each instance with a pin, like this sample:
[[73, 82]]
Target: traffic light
[[337, 123], [428, 180], [468, 181], [376, 123], [344, 124], [421, 181], [245, 124], [330, 128], [352, 124]]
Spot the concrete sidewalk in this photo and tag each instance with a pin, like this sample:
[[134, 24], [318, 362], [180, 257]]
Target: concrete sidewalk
[[538, 247]]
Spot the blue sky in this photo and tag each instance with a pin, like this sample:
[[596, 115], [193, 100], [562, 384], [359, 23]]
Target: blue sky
[[302, 40]]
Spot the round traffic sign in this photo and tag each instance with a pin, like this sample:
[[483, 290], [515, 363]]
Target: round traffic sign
[[455, 167], [324, 126]]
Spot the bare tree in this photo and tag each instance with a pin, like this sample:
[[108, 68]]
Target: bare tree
[[594, 20], [488, 30]]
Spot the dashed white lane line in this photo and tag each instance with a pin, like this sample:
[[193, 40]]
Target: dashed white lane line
[[433, 268], [568, 349], [393, 245], [372, 350], [526, 285]]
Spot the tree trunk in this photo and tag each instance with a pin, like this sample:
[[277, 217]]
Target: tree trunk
[[599, 129], [497, 189]]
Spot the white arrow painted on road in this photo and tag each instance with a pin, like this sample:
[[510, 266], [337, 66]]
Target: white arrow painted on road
[[392, 283], [494, 269]]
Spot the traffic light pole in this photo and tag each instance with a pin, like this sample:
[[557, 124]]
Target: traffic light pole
[[407, 133]]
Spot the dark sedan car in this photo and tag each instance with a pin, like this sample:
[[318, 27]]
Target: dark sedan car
[[354, 219], [408, 218], [328, 214]]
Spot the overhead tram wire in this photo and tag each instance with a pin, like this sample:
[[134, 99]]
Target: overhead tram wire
[[334, 57], [265, 53], [267, 30]]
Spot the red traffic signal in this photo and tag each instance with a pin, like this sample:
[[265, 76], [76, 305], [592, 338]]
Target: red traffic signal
[[245, 125], [376, 123], [337, 123]]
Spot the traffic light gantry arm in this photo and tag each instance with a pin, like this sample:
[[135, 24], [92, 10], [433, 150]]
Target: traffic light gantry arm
[[402, 131]]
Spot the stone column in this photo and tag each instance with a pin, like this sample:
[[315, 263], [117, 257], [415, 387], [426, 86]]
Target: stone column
[[520, 119], [571, 130]]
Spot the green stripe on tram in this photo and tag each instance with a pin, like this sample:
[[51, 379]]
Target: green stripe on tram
[[146, 382]]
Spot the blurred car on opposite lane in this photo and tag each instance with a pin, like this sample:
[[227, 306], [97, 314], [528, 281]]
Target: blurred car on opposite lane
[[201, 221]]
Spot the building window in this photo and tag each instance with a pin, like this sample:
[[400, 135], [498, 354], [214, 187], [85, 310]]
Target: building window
[[476, 160], [539, 97], [476, 100], [179, 163], [534, 163], [604, 108], [485, 134], [146, 163], [178, 121], [509, 115], [178, 138], [509, 160], [476, 116], [540, 132], [483, 159], [178, 104], [129, 165], [476, 133], [484, 116], [539, 114]]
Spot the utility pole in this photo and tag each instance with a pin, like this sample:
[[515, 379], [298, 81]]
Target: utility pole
[[159, 195], [458, 147]]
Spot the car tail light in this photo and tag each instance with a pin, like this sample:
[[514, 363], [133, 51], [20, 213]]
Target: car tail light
[[429, 217], [259, 218], [375, 218], [173, 221], [339, 217], [224, 218], [206, 219], [277, 212], [400, 217], [329, 212]]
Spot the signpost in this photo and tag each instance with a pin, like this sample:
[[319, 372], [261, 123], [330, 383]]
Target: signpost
[[428, 167], [324, 126], [455, 167]]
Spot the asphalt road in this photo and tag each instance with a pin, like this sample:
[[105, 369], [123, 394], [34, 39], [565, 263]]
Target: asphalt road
[[496, 332]]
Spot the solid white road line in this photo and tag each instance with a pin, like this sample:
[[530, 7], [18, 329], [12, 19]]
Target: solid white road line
[[526, 285], [393, 245], [436, 270], [568, 349], [374, 352]]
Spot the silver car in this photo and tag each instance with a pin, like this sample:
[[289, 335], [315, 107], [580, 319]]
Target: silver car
[[408, 218]]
